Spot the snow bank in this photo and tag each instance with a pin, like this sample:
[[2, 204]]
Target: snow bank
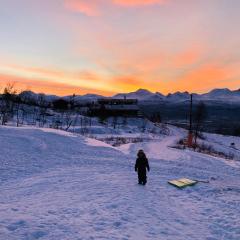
[[96, 143]]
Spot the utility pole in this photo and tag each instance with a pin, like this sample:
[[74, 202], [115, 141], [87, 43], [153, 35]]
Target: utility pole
[[190, 134]]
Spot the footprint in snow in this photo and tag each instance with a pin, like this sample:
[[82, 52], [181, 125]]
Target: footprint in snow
[[38, 234], [14, 226]]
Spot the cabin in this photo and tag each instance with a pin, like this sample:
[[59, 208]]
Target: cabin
[[110, 107]]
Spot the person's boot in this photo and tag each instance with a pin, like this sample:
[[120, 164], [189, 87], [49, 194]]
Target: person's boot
[[144, 182]]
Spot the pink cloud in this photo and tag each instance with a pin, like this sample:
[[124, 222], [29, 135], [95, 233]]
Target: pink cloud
[[89, 8], [132, 3], [94, 8]]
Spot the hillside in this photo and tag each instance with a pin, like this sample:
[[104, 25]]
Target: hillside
[[59, 185]]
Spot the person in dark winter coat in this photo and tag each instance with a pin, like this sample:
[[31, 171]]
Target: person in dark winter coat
[[141, 166]]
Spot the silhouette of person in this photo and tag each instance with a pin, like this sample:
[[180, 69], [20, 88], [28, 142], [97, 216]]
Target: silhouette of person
[[141, 166]]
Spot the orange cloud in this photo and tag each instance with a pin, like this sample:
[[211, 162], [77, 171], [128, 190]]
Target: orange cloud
[[82, 78], [35, 70], [187, 57], [48, 72], [201, 79], [127, 83], [204, 78], [47, 87]]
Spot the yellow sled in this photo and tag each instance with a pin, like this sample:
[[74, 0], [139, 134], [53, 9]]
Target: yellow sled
[[183, 182]]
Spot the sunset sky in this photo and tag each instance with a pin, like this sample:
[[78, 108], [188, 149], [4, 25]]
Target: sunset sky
[[109, 46]]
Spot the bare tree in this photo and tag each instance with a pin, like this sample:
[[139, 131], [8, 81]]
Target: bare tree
[[156, 118], [18, 109], [68, 119], [84, 125], [115, 122], [7, 103], [72, 101], [42, 103]]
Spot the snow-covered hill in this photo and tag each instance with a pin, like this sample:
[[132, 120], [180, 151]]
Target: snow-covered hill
[[58, 185], [140, 94], [34, 97]]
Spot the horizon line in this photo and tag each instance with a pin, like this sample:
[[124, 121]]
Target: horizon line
[[114, 94]]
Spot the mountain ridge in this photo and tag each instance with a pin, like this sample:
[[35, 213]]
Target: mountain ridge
[[143, 95]]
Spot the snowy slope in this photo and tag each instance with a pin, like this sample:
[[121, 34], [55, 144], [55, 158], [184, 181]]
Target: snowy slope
[[58, 185]]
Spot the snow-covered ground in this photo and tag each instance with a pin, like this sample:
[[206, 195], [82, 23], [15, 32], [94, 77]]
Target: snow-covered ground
[[62, 186]]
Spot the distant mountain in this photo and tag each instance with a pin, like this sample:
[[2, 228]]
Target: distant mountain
[[91, 96], [222, 94], [155, 97], [32, 96], [178, 96], [28, 95], [140, 94], [219, 96], [84, 98], [216, 95]]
